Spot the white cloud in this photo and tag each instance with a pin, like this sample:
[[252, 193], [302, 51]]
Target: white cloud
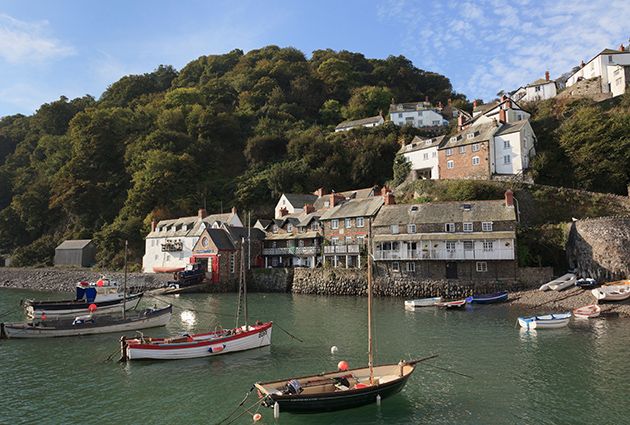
[[22, 42]]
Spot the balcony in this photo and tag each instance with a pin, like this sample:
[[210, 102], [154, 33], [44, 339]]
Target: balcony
[[292, 250], [435, 254], [172, 246], [342, 249]]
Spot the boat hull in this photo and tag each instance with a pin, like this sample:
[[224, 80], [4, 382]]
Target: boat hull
[[28, 330], [612, 293], [452, 304], [498, 297], [550, 321], [423, 302], [587, 312], [260, 337], [71, 309]]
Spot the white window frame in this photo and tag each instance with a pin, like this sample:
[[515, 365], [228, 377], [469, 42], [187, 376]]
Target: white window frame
[[507, 159], [411, 228], [467, 227], [348, 223], [361, 240], [395, 229], [334, 241], [506, 144], [469, 245], [486, 226], [411, 266], [476, 147], [451, 246], [289, 227], [396, 266], [314, 226], [348, 240], [360, 222], [475, 160], [481, 266], [449, 152], [488, 246], [449, 227], [450, 164], [425, 156], [462, 149], [334, 223]]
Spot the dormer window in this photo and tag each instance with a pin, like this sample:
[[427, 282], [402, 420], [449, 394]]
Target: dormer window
[[289, 227], [274, 229], [453, 139], [428, 141], [395, 229], [470, 136]]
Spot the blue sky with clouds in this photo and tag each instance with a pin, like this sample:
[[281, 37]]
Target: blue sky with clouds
[[75, 47]]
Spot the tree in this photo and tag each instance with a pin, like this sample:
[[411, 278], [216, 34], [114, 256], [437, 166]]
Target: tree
[[402, 168], [368, 101]]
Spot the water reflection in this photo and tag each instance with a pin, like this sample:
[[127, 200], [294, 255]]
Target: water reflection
[[188, 318]]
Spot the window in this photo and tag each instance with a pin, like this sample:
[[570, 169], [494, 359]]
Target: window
[[232, 263], [334, 241], [475, 147], [434, 154], [435, 123], [507, 159], [462, 149], [469, 245], [314, 226], [449, 227], [334, 224], [450, 246], [475, 160], [301, 243], [274, 229], [348, 240], [425, 156], [359, 221], [289, 227], [506, 144], [396, 266], [274, 244], [400, 115], [411, 228], [537, 88], [348, 223], [327, 204], [468, 227], [450, 164], [486, 226], [470, 136], [452, 139], [395, 230], [449, 152], [361, 240], [610, 59], [488, 246], [411, 266], [482, 266]]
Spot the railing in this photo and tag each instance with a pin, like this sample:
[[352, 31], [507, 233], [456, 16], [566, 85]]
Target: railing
[[172, 246], [341, 249], [434, 254], [292, 250]]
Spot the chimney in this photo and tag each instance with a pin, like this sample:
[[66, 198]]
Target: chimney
[[460, 121], [502, 118], [509, 198], [202, 213], [153, 224], [474, 103], [283, 211], [508, 104], [320, 192], [426, 99], [335, 199], [309, 208], [389, 198], [546, 75], [582, 64], [621, 48], [233, 210]]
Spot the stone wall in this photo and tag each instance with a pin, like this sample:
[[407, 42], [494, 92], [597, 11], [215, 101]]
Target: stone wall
[[271, 280], [600, 247], [533, 277]]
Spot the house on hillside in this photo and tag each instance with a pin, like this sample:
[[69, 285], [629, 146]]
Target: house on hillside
[[447, 240], [78, 252], [609, 67], [422, 153], [540, 89], [369, 122], [416, 114], [293, 203]]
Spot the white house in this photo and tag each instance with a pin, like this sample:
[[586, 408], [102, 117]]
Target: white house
[[489, 112], [423, 156], [619, 77], [598, 66], [169, 245], [364, 122], [293, 203], [541, 89], [513, 146], [418, 114]]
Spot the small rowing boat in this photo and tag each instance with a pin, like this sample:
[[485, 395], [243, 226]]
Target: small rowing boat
[[452, 304], [587, 312], [612, 293], [547, 321], [71, 308], [560, 283], [586, 283], [618, 283], [497, 297], [422, 302]]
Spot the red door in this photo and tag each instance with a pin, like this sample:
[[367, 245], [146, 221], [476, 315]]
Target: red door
[[214, 264]]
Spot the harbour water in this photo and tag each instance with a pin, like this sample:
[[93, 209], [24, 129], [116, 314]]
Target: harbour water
[[567, 376]]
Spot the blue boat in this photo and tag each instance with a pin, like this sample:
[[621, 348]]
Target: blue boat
[[497, 297]]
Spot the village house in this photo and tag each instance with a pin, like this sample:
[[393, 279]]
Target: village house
[[293, 203], [447, 240], [364, 122], [416, 114], [541, 89], [609, 66], [422, 154], [169, 245]]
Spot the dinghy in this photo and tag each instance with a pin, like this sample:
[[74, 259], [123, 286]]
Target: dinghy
[[560, 283], [72, 308], [547, 321], [586, 283], [497, 297], [587, 312], [452, 304], [618, 283], [612, 293], [422, 302]]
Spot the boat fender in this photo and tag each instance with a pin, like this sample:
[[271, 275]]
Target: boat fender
[[257, 417], [360, 385]]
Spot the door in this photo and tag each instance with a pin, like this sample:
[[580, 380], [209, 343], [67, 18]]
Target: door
[[451, 270], [214, 268]]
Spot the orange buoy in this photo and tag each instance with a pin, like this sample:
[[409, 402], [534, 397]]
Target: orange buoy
[[92, 308], [342, 365], [257, 417], [100, 282]]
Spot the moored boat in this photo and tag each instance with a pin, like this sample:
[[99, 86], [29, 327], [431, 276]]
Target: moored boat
[[587, 312], [624, 282], [452, 304], [496, 297], [422, 302], [66, 308], [586, 283], [546, 321], [612, 293], [559, 283], [87, 325]]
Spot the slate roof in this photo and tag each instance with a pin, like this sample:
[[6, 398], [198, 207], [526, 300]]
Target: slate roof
[[193, 225], [485, 107], [444, 212], [358, 123], [298, 200], [265, 223], [221, 239], [354, 208], [238, 233], [285, 236], [364, 193], [409, 107], [511, 127], [540, 82], [418, 144], [482, 132], [74, 244]]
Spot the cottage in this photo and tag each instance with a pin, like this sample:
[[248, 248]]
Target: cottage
[[417, 114], [603, 67], [294, 241], [453, 240], [293, 203], [364, 122], [541, 89], [79, 252], [423, 156]]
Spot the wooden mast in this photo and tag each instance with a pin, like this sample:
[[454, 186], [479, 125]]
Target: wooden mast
[[244, 271], [369, 289], [125, 283]]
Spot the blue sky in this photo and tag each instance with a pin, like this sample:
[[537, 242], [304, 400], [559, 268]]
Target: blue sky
[[74, 47]]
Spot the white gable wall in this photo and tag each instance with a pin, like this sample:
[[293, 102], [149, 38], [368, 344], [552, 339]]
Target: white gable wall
[[425, 159], [520, 150], [283, 202], [421, 118]]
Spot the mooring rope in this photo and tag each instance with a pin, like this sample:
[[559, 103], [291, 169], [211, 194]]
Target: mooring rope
[[237, 407], [6, 313]]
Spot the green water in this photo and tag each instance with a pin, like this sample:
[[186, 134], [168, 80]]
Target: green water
[[568, 376]]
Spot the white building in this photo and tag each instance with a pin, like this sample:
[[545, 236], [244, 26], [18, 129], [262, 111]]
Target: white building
[[598, 68], [513, 146], [293, 203], [419, 114], [619, 77], [541, 89], [169, 245], [423, 156], [364, 122]]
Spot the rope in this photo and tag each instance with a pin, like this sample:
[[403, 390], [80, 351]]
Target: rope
[[6, 313], [237, 407], [448, 370], [111, 355], [287, 332], [245, 410]]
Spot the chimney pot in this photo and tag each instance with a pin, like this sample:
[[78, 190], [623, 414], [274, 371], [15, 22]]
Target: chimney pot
[[582, 64], [309, 208], [153, 224], [233, 210], [621, 48], [202, 213], [509, 198], [283, 211], [460, 121], [502, 116], [546, 75]]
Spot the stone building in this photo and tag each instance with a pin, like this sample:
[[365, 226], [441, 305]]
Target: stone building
[[79, 252]]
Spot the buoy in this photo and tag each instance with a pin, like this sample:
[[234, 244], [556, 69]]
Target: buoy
[[92, 308], [342, 365], [378, 399], [100, 282], [276, 410], [43, 316], [257, 417], [334, 349]]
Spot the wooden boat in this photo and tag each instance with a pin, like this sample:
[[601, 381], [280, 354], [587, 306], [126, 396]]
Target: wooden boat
[[587, 312], [547, 321], [60, 309], [199, 345], [343, 389], [612, 293], [87, 325], [560, 283], [586, 283], [422, 302], [497, 297], [452, 304], [618, 283]]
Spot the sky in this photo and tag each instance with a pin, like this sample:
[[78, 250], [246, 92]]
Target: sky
[[71, 48]]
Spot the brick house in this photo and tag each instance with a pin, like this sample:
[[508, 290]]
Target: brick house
[[447, 240], [466, 155]]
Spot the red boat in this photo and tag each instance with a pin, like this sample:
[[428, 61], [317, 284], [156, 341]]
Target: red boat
[[452, 304]]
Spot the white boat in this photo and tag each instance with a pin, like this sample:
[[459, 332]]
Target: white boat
[[612, 293], [547, 321], [422, 302], [587, 312], [67, 309], [87, 325], [561, 283]]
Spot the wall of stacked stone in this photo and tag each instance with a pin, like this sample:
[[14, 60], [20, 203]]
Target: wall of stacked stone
[[600, 247], [533, 277], [270, 280]]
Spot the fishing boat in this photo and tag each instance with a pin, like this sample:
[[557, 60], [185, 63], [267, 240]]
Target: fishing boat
[[88, 324], [586, 283], [422, 302], [547, 321], [560, 283], [497, 297], [452, 304], [587, 312], [612, 293], [223, 341], [71, 308], [344, 388]]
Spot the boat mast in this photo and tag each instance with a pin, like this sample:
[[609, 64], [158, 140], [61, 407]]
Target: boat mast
[[369, 289], [125, 282], [244, 271]]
